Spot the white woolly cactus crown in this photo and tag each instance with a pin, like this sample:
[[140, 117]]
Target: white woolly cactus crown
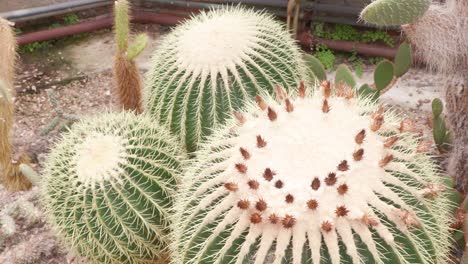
[[312, 179], [108, 187], [208, 66]]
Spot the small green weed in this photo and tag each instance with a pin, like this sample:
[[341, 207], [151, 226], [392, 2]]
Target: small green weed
[[70, 19], [325, 56], [32, 47], [344, 32], [376, 36]]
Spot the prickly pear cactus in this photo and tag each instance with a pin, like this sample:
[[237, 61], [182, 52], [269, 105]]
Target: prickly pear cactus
[[107, 188], [207, 67], [394, 12], [312, 179]]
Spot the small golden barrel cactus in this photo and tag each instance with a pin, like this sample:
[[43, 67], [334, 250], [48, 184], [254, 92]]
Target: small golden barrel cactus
[[210, 65], [108, 186], [317, 178]]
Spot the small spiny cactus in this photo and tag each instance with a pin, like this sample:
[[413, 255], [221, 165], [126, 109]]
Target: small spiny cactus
[[108, 186], [208, 66], [126, 72], [312, 178]]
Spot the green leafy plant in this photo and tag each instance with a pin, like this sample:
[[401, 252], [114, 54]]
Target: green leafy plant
[[193, 88], [325, 56], [312, 178], [344, 32], [442, 137], [107, 188], [376, 36], [71, 19]]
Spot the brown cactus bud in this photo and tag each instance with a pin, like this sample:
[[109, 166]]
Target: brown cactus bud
[[369, 220], [268, 174], [387, 159], [407, 125], [377, 123], [280, 93], [245, 154], [315, 184], [272, 115], [253, 184], [312, 204], [326, 87], [289, 105], [341, 211], [389, 142], [408, 218], [255, 218], [325, 106], [273, 219], [230, 186], [260, 102], [240, 117], [261, 143], [302, 90], [279, 184], [331, 179], [358, 154], [360, 137], [289, 198], [343, 166], [288, 221], [342, 189], [242, 168], [432, 190], [261, 205], [243, 204], [327, 226]]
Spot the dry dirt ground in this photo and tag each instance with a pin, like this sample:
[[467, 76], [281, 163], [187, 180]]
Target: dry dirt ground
[[79, 76]]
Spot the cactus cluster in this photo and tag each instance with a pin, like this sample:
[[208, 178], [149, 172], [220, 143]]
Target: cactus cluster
[[108, 186], [394, 12], [210, 65], [318, 178], [386, 73], [280, 175]]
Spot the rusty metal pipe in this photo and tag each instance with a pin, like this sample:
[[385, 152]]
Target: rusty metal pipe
[[307, 41], [96, 24]]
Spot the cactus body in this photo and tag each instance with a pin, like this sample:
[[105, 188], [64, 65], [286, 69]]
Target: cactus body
[[207, 67], [312, 179], [107, 188], [394, 12]]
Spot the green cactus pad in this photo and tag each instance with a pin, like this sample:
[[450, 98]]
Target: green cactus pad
[[394, 12], [383, 74], [312, 179], [366, 91], [315, 68], [210, 65], [108, 186], [137, 46], [403, 59], [437, 107], [345, 76]]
